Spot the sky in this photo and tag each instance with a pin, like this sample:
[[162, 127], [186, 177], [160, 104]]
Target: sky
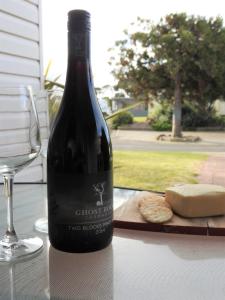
[[108, 19]]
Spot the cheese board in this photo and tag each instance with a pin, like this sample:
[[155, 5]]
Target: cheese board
[[127, 216]]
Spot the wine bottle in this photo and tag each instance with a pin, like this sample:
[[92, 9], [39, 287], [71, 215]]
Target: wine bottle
[[79, 158]]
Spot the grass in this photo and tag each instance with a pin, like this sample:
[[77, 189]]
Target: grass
[[155, 170], [140, 119]]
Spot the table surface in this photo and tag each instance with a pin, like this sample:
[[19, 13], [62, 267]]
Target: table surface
[[137, 265]]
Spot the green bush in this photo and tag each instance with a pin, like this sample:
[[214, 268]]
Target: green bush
[[162, 125], [123, 118], [220, 121], [194, 116], [160, 118]]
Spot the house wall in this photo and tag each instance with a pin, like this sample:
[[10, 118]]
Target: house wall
[[220, 107], [138, 111], [21, 63]]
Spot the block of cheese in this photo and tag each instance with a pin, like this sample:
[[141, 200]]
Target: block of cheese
[[197, 200]]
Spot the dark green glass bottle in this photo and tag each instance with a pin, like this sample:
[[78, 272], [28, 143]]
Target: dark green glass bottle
[[79, 160]]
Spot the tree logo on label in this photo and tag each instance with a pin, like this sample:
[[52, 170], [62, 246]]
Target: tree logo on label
[[99, 190]]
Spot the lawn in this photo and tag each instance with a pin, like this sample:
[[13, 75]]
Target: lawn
[[140, 119], [155, 170]]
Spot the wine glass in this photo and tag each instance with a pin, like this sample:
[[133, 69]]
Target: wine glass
[[20, 144], [54, 98]]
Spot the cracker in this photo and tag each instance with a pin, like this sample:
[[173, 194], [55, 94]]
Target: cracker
[[152, 200], [156, 214]]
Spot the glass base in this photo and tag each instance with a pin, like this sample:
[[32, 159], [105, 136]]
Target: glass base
[[21, 249], [41, 225]]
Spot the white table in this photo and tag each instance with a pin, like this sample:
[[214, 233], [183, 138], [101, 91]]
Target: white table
[[138, 265]]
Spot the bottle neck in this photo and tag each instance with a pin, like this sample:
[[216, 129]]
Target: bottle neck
[[79, 45], [79, 75]]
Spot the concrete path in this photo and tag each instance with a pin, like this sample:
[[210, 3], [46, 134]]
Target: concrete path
[[213, 170]]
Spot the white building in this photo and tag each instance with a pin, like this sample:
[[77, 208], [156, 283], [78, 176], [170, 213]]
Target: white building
[[220, 107], [21, 63]]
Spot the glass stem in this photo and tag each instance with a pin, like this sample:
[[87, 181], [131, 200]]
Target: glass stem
[[10, 236]]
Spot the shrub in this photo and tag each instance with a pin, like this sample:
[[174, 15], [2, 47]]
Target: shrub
[[220, 121], [123, 118], [160, 118], [193, 116], [162, 125]]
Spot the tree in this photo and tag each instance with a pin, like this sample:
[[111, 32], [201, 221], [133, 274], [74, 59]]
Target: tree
[[180, 58]]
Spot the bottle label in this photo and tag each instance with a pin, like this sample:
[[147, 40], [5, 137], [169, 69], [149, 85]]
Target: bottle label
[[86, 204]]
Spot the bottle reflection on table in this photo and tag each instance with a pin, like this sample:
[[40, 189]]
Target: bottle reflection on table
[[81, 275]]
